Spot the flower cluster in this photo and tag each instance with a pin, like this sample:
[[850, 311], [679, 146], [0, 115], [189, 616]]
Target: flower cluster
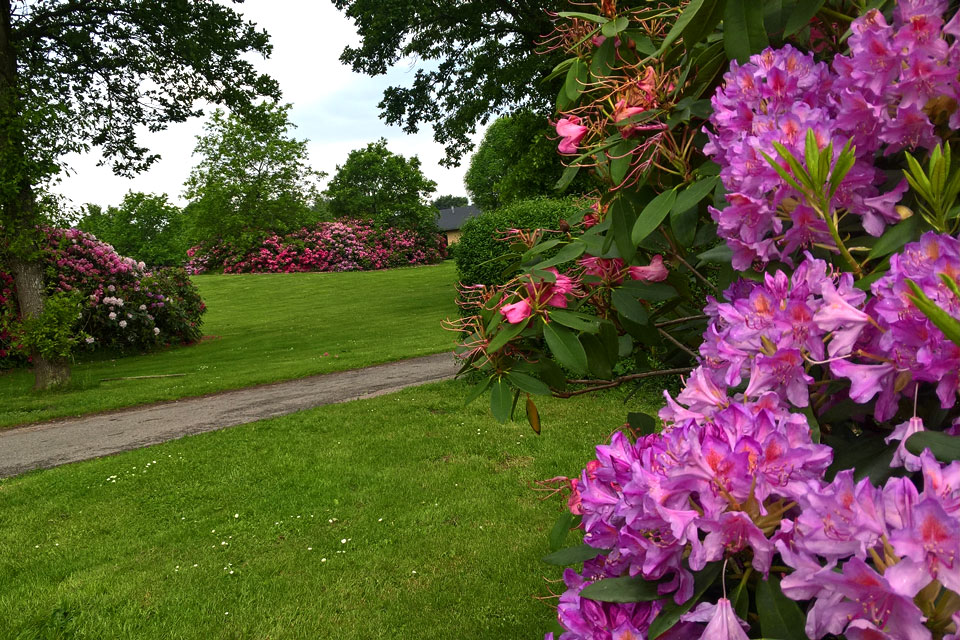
[[902, 347], [883, 93], [345, 245], [127, 307]]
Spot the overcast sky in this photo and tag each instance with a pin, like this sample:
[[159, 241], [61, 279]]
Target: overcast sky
[[334, 108]]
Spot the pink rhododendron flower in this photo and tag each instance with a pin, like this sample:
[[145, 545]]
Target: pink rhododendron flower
[[571, 133], [653, 272], [516, 312]]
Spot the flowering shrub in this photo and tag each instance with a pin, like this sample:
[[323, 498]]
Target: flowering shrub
[[805, 480], [124, 306], [345, 245]]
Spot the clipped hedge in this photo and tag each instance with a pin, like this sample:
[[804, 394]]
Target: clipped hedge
[[481, 241]]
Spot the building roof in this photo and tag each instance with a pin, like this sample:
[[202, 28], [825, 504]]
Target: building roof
[[453, 218]]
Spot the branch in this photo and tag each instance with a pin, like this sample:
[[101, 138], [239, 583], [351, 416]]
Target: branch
[[597, 385], [677, 342]]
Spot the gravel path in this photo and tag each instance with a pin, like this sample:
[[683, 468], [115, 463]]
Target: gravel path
[[49, 444]]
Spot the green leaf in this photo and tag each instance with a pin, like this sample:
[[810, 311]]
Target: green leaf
[[814, 424], [944, 447], [621, 590], [652, 215], [575, 82], [703, 23], [583, 16], [944, 321], [603, 59], [620, 158], [564, 345], [611, 28], [573, 555], [501, 400], [561, 528], [478, 390], [684, 225], [801, 15], [720, 254], [567, 177], [628, 305], [783, 173], [651, 292], [743, 30], [575, 320], [780, 617], [623, 219], [642, 423], [599, 364], [894, 238], [681, 24], [694, 193], [672, 611], [506, 335], [528, 383], [570, 252]]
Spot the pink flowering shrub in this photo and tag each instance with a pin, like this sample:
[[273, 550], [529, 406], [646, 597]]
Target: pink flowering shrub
[[344, 245], [126, 306], [804, 482]]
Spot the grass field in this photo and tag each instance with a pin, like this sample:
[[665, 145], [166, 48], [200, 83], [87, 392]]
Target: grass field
[[262, 328], [404, 516]]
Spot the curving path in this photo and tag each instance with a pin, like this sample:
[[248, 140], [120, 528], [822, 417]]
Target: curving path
[[49, 444]]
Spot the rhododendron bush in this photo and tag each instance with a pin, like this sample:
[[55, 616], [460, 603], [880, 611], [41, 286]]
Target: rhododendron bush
[[805, 480], [344, 245], [123, 304]]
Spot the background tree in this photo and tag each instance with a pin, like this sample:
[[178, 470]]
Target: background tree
[[252, 175], [145, 226], [516, 160], [483, 60], [76, 75], [376, 183], [445, 202]]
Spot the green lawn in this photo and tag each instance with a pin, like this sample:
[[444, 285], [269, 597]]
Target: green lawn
[[404, 516], [263, 328]]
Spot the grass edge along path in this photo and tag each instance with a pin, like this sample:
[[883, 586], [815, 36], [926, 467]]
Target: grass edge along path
[[261, 328], [404, 516]]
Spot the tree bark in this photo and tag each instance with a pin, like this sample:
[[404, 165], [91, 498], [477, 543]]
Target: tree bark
[[18, 213]]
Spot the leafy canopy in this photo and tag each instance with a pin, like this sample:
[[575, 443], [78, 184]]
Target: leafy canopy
[[144, 226], [251, 175], [477, 59], [448, 201], [376, 183]]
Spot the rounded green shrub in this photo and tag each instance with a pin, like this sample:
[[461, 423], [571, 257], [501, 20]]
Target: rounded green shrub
[[481, 251]]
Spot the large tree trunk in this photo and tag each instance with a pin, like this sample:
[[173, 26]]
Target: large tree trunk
[[28, 278], [18, 212]]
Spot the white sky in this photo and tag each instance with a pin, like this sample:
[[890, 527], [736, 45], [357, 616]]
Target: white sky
[[334, 108]]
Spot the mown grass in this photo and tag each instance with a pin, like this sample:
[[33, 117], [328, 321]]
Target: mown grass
[[404, 516], [262, 328]]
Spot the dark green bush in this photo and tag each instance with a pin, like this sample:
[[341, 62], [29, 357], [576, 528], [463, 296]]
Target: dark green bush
[[479, 252]]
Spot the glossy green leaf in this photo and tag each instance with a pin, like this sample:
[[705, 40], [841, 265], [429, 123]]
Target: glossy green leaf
[[780, 617], [506, 334], [501, 400], [611, 28], [621, 590], [561, 528], [943, 320], [681, 24], [694, 193], [592, 17], [528, 383], [628, 305], [642, 423], [478, 390], [801, 16], [944, 447], [621, 156], [651, 292], [684, 225], [703, 23], [622, 222], [567, 177], [576, 80], [573, 555], [599, 363], [671, 612], [894, 238], [604, 57], [652, 215], [743, 31], [720, 254], [565, 347], [576, 320]]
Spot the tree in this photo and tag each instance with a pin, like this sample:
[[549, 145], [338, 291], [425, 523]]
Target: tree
[[483, 60], [376, 183], [251, 175], [80, 74], [445, 202], [516, 160], [145, 226]]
